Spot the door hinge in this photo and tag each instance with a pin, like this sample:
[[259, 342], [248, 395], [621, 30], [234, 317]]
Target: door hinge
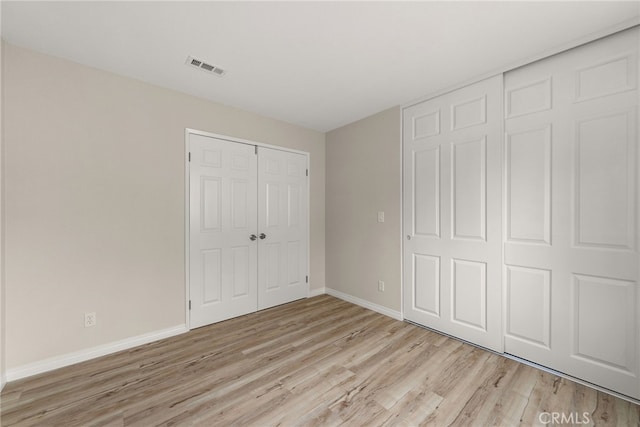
[[307, 172], [307, 279], [189, 155], [189, 304], [256, 149]]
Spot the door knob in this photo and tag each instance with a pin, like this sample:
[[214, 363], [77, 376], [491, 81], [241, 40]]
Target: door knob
[[253, 237], [262, 236], [408, 237]]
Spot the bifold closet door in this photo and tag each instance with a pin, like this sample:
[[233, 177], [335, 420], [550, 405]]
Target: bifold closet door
[[282, 223], [223, 247], [571, 232], [452, 213]]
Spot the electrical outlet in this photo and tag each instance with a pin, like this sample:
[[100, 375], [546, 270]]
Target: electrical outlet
[[380, 286], [90, 319], [380, 216]]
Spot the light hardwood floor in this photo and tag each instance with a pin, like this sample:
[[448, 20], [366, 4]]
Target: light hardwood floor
[[320, 361]]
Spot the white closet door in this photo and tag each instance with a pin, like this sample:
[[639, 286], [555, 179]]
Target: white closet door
[[223, 206], [571, 241], [452, 213], [283, 227]]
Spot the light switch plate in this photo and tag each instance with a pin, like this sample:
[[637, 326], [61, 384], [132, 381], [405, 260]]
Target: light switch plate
[[380, 216]]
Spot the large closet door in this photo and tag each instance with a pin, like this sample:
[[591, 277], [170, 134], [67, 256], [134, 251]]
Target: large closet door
[[248, 228], [282, 222], [452, 213], [223, 222], [571, 229]]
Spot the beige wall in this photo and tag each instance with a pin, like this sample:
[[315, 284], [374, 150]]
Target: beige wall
[[94, 178], [363, 177]]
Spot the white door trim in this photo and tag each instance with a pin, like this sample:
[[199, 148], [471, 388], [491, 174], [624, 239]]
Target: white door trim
[[242, 141], [190, 131]]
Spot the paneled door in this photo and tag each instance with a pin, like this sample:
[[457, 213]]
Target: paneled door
[[452, 213], [223, 229], [248, 228], [282, 221], [571, 229]]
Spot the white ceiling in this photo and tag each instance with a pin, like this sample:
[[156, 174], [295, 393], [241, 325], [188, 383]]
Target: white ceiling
[[320, 65]]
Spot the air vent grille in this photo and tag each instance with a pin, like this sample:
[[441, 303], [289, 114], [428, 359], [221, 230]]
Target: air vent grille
[[201, 65]]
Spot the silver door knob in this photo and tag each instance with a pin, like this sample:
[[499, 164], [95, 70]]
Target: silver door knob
[[262, 236], [253, 237], [408, 237]]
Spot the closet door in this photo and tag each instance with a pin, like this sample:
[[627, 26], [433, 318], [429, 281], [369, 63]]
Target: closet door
[[452, 213], [223, 228], [571, 229], [283, 227]]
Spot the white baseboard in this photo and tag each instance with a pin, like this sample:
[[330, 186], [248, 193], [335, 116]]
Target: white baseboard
[[364, 303], [316, 292], [90, 353]]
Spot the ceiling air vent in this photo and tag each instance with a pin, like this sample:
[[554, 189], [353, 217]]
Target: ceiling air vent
[[201, 65]]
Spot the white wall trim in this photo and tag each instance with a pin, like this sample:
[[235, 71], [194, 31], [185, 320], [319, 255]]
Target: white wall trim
[[366, 304], [315, 292], [90, 353]]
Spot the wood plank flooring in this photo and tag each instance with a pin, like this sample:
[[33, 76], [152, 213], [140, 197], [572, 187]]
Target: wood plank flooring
[[314, 362]]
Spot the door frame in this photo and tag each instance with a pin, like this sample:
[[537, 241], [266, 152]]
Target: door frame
[[187, 211]]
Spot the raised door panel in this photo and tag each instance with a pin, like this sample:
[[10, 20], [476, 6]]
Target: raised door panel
[[469, 189], [606, 77], [426, 192], [528, 305], [426, 124], [293, 205], [604, 341], [528, 180], [211, 203], [469, 291], [240, 274], [528, 98], [469, 113], [240, 203], [270, 256], [605, 190], [605, 325], [211, 276], [293, 263], [426, 284], [271, 204]]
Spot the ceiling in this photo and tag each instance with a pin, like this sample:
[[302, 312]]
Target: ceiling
[[320, 65]]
